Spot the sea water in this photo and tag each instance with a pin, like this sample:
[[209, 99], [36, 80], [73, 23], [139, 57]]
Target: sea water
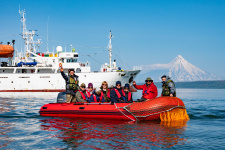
[[21, 126]]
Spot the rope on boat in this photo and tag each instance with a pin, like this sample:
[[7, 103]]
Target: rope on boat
[[169, 109], [122, 112]]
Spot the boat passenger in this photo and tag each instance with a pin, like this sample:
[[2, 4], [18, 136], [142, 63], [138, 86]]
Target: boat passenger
[[149, 89], [116, 95], [90, 92], [168, 86], [104, 93], [72, 84], [81, 94], [127, 94]]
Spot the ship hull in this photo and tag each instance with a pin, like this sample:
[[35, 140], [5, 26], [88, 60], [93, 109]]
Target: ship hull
[[54, 82]]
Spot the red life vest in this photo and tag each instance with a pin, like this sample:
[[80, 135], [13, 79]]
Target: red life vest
[[118, 93], [102, 95], [119, 96], [82, 94], [129, 96], [89, 95]]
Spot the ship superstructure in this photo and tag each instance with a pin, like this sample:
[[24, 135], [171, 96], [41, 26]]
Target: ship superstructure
[[33, 71]]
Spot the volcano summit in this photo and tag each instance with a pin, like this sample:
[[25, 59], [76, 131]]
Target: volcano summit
[[178, 69]]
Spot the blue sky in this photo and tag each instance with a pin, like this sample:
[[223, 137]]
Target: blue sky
[[145, 31]]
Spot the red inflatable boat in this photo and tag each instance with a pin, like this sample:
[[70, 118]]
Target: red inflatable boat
[[161, 108]]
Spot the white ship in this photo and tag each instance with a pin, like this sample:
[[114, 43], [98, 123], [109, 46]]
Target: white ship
[[40, 72]]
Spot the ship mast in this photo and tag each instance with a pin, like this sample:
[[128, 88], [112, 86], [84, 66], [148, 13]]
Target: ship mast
[[30, 44], [110, 49]]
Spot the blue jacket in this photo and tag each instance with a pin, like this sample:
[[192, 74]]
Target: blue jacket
[[67, 79], [114, 97], [91, 98]]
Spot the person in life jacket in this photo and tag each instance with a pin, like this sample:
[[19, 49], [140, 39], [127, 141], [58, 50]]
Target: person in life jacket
[[168, 87], [150, 91], [81, 95], [90, 92], [116, 95], [72, 84], [104, 93], [127, 94]]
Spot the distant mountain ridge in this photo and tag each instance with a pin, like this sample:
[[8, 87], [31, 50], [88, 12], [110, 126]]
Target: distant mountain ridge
[[178, 69]]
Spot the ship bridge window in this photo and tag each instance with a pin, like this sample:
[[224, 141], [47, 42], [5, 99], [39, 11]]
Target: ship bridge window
[[78, 70], [24, 70], [71, 60]]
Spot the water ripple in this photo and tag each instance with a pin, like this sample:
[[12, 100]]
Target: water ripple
[[21, 127]]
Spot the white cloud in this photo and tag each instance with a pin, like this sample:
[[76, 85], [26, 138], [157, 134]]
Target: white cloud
[[155, 67]]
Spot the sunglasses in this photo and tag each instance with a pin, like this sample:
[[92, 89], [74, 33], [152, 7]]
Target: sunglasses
[[118, 85], [103, 84], [83, 87], [148, 80]]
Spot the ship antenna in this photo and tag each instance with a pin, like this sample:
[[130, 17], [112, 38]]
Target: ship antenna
[[47, 34], [30, 44], [110, 48], [23, 20]]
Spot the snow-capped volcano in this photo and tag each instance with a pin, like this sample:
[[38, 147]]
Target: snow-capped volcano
[[178, 69], [181, 70]]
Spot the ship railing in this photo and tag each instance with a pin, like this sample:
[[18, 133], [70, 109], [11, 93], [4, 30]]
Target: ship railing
[[23, 69]]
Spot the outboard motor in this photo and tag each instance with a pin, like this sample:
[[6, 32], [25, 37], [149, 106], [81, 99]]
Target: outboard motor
[[61, 98]]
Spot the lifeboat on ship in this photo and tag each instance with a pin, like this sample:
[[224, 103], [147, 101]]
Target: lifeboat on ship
[[6, 51], [161, 108]]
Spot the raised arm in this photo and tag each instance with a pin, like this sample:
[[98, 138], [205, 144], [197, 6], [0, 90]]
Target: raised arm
[[139, 87], [64, 76]]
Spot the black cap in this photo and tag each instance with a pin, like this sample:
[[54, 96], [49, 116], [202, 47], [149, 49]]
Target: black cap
[[71, 70], [164, 76]]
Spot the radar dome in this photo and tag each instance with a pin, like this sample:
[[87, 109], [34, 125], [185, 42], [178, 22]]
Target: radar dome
[[59, 49]]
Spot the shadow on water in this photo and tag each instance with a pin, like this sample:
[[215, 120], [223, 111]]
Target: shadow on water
[[105, 134]]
